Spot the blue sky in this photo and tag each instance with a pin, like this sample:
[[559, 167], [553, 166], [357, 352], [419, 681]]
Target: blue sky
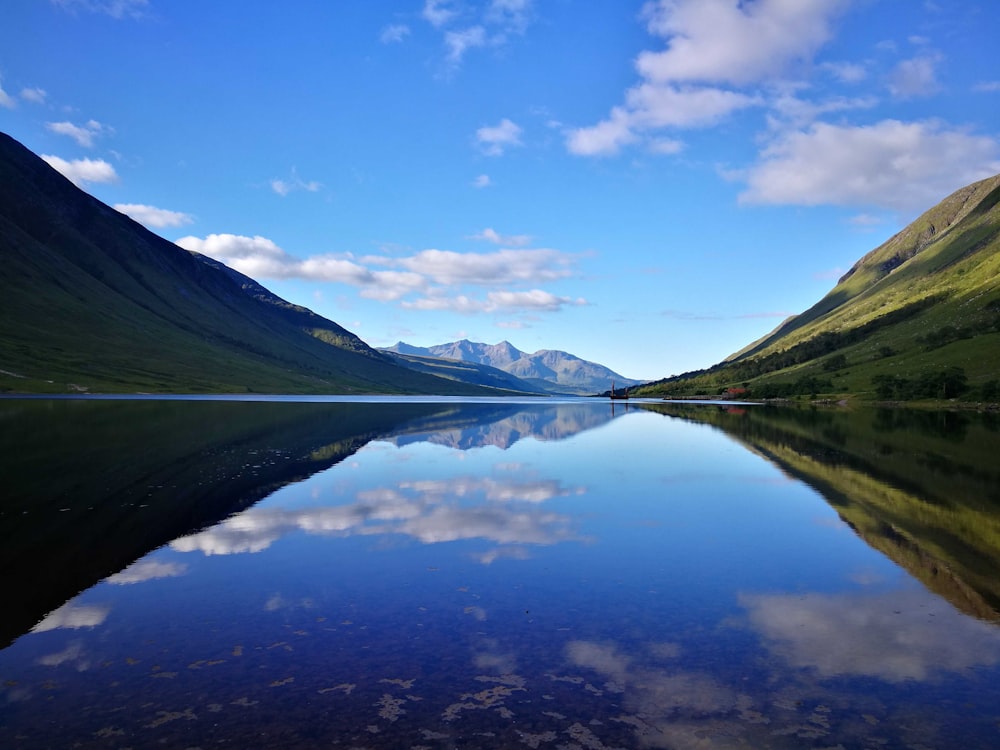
[[650, 185]]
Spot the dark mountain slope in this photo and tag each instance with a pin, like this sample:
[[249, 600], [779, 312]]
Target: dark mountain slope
[[91, 300]]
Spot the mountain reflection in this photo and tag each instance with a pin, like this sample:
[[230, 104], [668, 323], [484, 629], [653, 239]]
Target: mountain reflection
[[556, 422], [91, 486], [923, 488]]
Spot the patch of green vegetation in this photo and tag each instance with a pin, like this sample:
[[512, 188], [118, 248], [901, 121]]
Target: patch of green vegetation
[[921, 305]]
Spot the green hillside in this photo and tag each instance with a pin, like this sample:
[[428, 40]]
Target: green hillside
[[916, 318], [90, 301], [919, 486]]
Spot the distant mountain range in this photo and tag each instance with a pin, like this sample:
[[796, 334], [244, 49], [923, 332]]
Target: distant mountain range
[[916, 318], [91, 301], [546, 370]]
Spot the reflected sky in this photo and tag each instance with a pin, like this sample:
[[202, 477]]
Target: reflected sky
[[642, 581]]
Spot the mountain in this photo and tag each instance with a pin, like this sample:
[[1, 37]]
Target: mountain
[[92, 301], [554, 371], [917, 317], [467, 372]]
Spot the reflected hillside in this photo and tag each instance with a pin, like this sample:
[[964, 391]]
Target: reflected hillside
[[91, 486], [923, 488]]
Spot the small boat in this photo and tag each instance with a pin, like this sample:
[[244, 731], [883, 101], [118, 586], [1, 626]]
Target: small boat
[[616, 396]]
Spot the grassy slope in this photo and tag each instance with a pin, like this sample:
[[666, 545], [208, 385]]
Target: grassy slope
[[950, 254], [89, 299]]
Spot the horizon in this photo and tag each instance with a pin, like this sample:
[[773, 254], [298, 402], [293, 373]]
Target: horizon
[[647, 185]]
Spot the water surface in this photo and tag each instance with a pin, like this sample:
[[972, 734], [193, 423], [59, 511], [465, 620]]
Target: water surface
[[412, 574]]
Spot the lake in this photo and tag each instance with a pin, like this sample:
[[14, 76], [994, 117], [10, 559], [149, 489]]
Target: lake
[[421, 573]]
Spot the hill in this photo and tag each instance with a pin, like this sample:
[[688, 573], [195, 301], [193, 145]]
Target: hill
[[548, 370], [92, 301], [917, 317], [466, 372]]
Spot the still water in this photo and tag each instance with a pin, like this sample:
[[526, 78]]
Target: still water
[[419, 574]]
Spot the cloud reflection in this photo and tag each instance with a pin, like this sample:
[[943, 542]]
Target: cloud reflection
[[74, 654], [422, 510], [899, 636], [668, 708], [73, 617], [147, 570]]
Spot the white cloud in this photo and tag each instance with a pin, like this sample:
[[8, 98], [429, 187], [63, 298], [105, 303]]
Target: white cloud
[[259, 257], [666, 146], [151, 216], [657, 106], [285, 186], [332, 268], [512, 240], [534, 300], [459, 42], [709, 42], [460, 303], [733, 41], [846, 72], [438, 12], [482, 181], [82, 134], [80, 171], [605, 138], [892, 164], [113, 8], [497, 268], [493, 139], [914, 77], [6, 100], [234, 247], [33, 95], [466, 26], [394, 33], [987, 86], [651, 107], [511, 14], [798, 112], [393, 285]]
